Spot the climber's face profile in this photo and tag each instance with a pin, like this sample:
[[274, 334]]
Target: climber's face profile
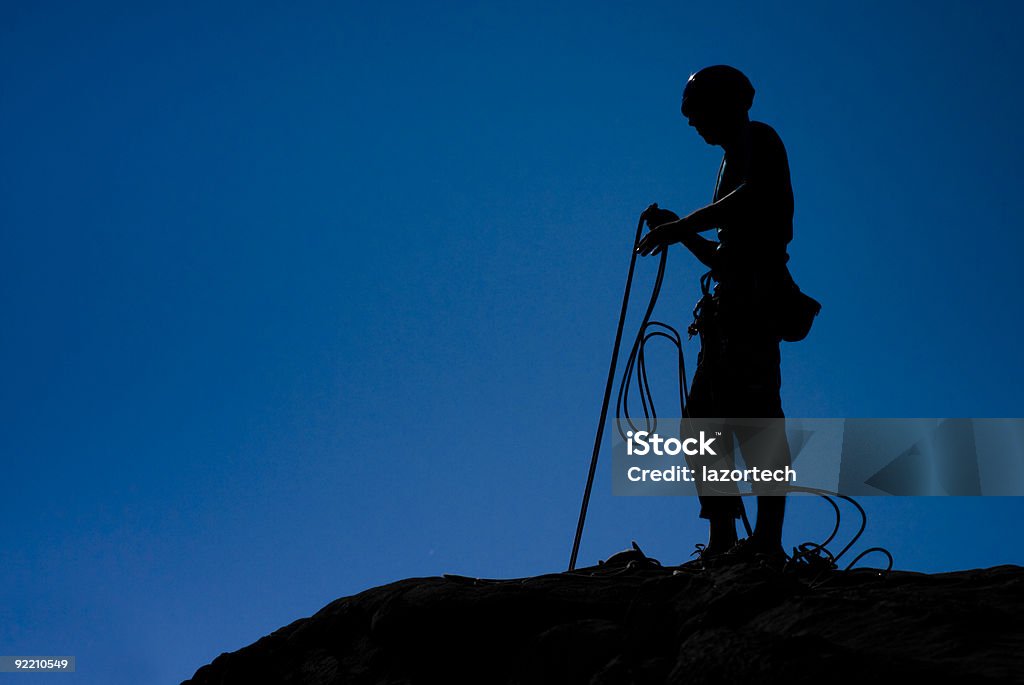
[[716, 127], [705, 127]]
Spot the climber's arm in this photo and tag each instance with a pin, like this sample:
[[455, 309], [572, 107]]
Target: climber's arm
[[686, 230]]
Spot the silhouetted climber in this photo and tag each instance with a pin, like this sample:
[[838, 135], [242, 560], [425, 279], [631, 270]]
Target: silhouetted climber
[[738, 369]]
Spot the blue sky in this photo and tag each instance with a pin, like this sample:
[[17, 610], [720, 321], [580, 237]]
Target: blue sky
[[303, 298]]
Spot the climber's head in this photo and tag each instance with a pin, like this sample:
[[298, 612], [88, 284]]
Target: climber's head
[[716, 101]]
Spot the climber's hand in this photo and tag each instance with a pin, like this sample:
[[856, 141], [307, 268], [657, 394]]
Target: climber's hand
[[659, 238]]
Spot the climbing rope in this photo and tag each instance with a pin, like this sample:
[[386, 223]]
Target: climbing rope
[[807, 556]]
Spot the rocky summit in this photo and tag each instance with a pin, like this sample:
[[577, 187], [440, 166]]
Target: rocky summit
[[744, 623]]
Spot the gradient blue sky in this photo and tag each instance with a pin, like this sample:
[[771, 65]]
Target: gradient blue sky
[[303, 298]]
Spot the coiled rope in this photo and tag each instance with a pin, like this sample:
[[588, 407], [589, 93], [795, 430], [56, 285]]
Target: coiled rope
[[813, 556]]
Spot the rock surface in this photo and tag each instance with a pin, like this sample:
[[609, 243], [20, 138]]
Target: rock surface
[[739, 624]]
